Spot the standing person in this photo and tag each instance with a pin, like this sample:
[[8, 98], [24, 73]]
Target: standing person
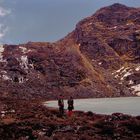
[[61, 105], [70, 106]]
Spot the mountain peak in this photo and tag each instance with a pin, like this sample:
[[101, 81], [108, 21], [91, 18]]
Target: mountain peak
[[118, 5]]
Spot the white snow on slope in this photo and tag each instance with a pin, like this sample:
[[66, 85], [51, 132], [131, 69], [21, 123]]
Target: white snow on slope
[[125, 71], [136, 89], [131, 82], [138, 68], [119, 70], [24, 62], [126, 75], [24, 49], [100, 63], [122, 73], [21, 79], [1, 52], [4, 75], [115, 27]]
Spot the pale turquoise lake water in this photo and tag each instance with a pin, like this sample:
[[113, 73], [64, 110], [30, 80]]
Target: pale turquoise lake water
[[126, 105]]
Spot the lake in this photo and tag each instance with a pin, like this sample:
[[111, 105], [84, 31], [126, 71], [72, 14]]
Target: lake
[[126, 105]]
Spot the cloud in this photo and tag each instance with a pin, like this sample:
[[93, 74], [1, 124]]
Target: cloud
[[4, 12], [3, 31], [3, 28]]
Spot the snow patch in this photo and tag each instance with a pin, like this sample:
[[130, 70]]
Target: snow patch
[[2, 115], [136, 89], [3, 112], [114, 27], [3, 72], [138, 68], [21, 79], [129, 24], [126, 75], [137, 31], [12, 111], [122, 73], [116, 76], [1, 49], [119, 70], [100, 63], [90, 23], [79, 44], [125, 71], [24, 62], [5, 77], [31, 66], [131, 82], [24, 49], [1, 53]]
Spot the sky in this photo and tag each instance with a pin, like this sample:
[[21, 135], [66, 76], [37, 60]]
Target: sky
[[46, 20]]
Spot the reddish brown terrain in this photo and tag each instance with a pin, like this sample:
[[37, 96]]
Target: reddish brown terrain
[[24, 120], [100, 58]]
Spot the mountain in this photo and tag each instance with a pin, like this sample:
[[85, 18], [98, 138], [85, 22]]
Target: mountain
[[100, 58]]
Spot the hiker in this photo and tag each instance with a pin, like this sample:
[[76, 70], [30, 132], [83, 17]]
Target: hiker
[[70, 106], [61, 105]]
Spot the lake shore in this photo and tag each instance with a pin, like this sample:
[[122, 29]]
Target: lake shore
[[126, 105], [26, 120]]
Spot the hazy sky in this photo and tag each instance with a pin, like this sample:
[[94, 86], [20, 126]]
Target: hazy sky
[[46, 20]]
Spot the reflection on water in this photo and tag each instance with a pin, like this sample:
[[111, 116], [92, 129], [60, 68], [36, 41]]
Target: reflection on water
[[127, 105]]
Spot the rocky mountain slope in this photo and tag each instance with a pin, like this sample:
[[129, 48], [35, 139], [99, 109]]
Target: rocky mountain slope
[[100, 58]]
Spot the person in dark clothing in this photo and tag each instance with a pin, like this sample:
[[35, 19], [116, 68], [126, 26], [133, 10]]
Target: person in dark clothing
[[70, 106], [61, 105]]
